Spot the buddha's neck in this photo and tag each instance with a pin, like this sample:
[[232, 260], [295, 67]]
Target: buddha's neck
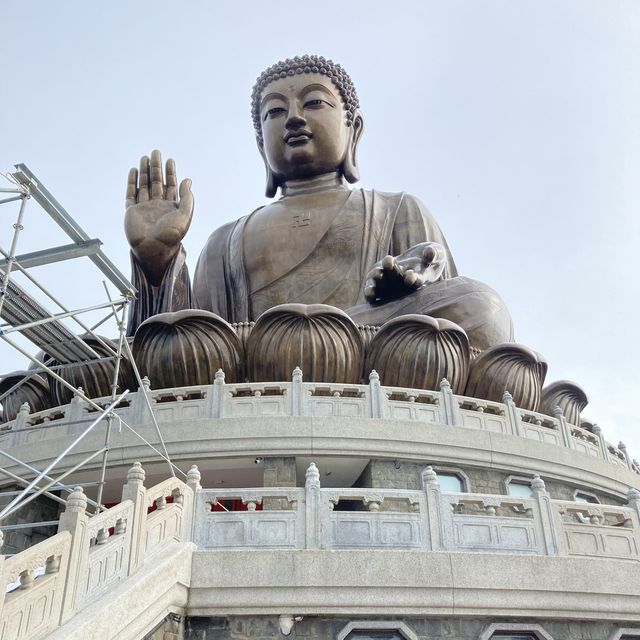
[[322, 182]]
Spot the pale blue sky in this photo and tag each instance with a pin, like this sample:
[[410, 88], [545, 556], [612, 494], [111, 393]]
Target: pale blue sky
[[517, 123]]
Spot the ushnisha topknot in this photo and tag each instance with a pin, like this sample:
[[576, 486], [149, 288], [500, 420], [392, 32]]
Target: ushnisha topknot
[[305, 64]]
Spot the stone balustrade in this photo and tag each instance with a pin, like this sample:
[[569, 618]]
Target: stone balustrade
[[298, 398], [91, 555], [429, 519]]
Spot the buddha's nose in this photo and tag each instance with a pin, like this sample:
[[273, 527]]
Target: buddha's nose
[[295, 120]]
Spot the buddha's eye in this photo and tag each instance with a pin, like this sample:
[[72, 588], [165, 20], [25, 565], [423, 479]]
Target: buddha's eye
[[314, 104], [273, 112]]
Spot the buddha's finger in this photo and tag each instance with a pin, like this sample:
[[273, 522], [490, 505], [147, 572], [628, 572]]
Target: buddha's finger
[[143, 184], [157, 185], [428, 255], [389, 263], [411, 278], [132, 187], [186, 198], [376, 274], [370, 293], [172, 181]]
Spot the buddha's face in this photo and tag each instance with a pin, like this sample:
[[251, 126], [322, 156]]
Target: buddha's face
[[304, 127]]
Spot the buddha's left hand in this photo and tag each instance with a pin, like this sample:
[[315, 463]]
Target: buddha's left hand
[[395, 277]]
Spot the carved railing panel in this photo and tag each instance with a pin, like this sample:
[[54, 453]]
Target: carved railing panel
[[252, 528], [33, 608], [413, 404], [585, 441], [498, 524], [483, 414], [387, 518], [596, 530]]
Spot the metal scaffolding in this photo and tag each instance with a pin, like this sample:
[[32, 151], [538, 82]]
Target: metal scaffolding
[[21, 312]]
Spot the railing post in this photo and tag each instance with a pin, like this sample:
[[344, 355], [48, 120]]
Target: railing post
[[623, 447], [597, 431], [74, 520], [135, 491], [23, 416], [193, 482], [513, 415], [76, 408], [431, 488], [375, 395], [564, 427], [217, 395], [448, 411], [2, 581], [633, 500], [312, 508], [139, 407], [546, 516], [297, 393]]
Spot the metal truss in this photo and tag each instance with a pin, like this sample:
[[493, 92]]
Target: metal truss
[[22, 313]]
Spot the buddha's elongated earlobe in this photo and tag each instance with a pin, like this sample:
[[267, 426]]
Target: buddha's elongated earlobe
[[271, 185], [350, 164]]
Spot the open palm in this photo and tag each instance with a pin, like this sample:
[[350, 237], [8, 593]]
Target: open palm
[[158, 214]]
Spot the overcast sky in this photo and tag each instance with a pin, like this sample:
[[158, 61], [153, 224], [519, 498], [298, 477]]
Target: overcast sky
[[517, 123]]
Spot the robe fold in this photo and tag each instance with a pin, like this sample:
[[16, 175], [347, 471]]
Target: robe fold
[[369, 226], [329, 267]]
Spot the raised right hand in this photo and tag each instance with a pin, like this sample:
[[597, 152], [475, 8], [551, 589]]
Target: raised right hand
[[155, 220]]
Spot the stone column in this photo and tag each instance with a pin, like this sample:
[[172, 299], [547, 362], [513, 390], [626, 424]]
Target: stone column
[[2, 581], [312, 507], [135, 491], [217, 395], [633, 501], [74, 520], [77, 407], [564, 427], [297, 393], [597, 431], [448, 408], [513, 415], [190, 502], [432, 490], [23, 416], [623, 447], [375, 395], [139, 409], [547, 517]]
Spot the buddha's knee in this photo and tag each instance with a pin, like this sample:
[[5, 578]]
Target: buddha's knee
[[477, 308], [473, 305]]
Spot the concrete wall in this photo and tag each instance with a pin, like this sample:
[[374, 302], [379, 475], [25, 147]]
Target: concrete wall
[[325, 628], [402, 474]]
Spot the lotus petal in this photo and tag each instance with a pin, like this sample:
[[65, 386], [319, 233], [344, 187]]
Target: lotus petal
[[186, 348], [568, 396], [508, 367], [418, 351], [322, 340]]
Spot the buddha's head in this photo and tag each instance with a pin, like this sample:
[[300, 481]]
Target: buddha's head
[[307, 120]]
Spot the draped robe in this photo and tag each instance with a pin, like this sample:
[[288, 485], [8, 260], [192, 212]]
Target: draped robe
[[348, 241]]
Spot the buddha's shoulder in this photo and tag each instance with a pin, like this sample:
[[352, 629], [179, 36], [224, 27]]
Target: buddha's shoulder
[[222, 235]]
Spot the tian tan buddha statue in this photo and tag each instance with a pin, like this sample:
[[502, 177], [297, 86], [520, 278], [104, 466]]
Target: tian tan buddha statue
[[335, 280], [375, 255], [339, 281]]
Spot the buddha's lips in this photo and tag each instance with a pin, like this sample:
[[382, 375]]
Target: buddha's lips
[[298, 138]]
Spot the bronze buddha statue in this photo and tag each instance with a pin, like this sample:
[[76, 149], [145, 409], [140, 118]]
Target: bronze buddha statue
[[372, 254]]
